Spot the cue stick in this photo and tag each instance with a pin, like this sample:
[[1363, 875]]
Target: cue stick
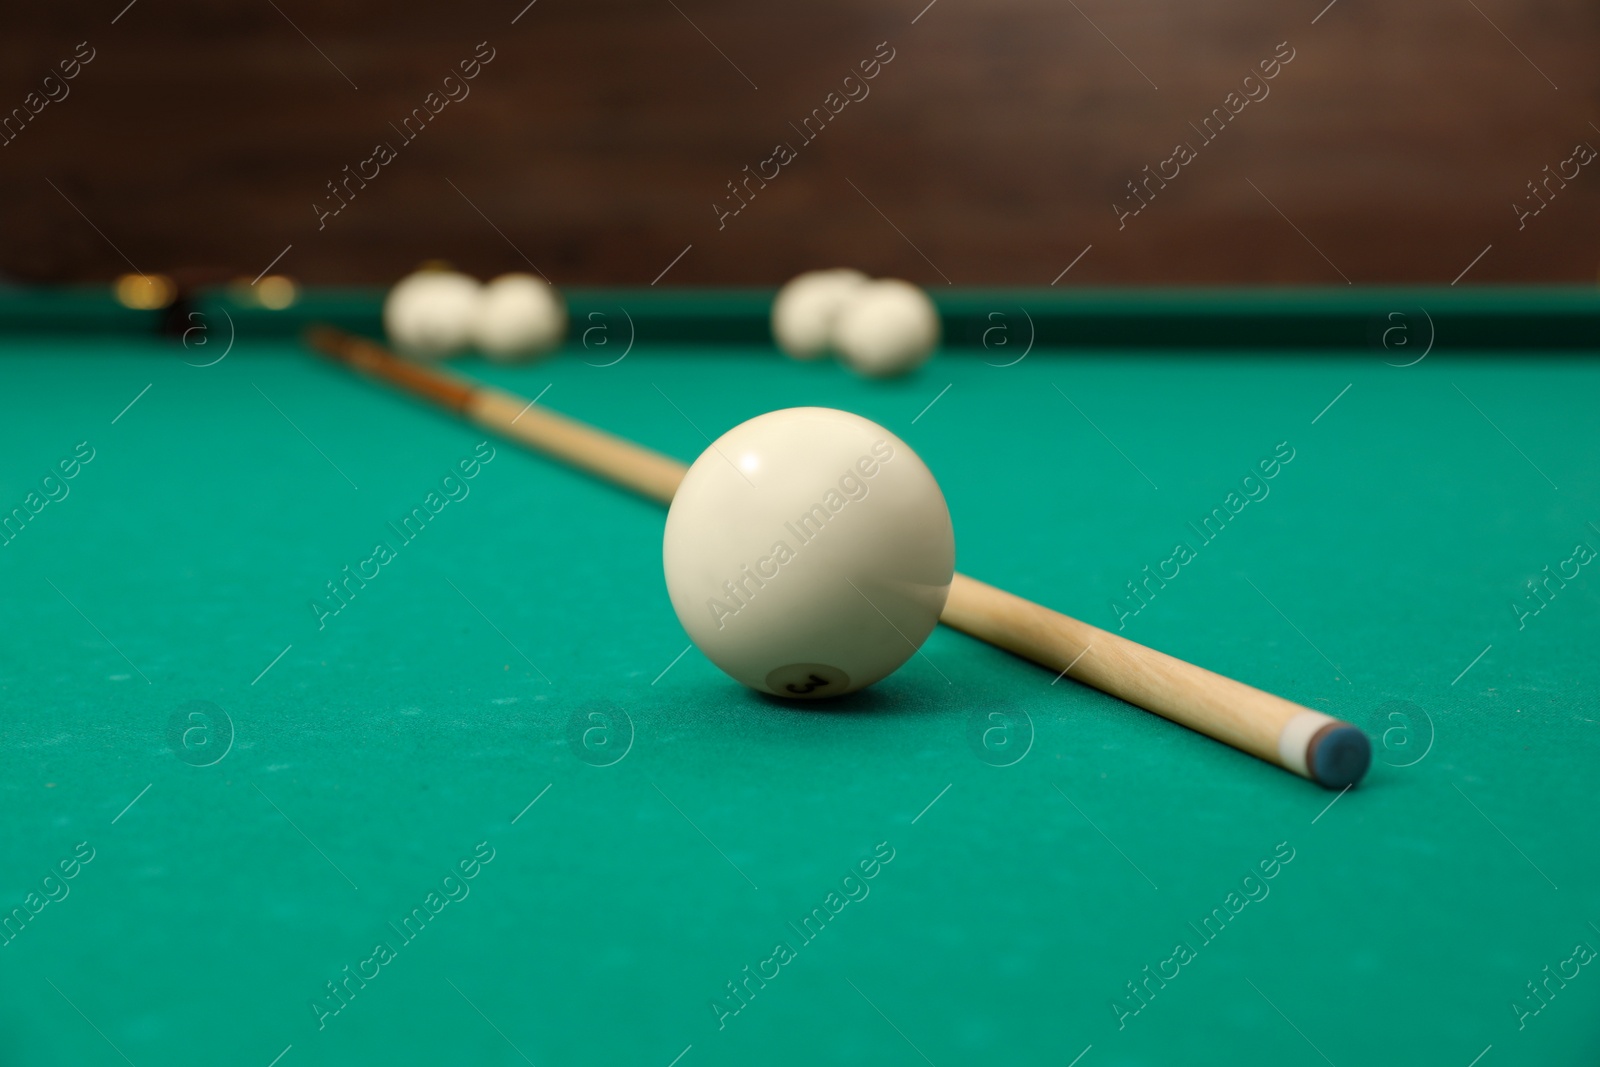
[[1313, 745]]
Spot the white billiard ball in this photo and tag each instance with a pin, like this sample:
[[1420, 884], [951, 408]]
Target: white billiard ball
[[885, 328], [430, 313], [804, 310], [519, 316], [808, 552]]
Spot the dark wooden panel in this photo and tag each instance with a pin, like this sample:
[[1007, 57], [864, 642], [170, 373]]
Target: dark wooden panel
[[991, 149]]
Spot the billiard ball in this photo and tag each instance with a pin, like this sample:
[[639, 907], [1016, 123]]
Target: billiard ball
[[430, 313], [519, 316], [808, 552], [886, 328], [804, 310]]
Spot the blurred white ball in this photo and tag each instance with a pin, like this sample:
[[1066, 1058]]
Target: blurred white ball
[[886, 327], [430, 313], [519, 316], [804, 311]]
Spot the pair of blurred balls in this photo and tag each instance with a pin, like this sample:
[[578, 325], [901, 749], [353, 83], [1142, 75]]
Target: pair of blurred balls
[[879, 328], [436, 313]]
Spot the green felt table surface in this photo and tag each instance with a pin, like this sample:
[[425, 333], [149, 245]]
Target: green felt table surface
[[270, 792]]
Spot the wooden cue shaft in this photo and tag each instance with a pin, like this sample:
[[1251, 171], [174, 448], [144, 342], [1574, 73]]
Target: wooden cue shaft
[[1309, 743], [602, 454]]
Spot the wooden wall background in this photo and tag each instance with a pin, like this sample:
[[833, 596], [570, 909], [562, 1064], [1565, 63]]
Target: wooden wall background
[[989, 151]]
